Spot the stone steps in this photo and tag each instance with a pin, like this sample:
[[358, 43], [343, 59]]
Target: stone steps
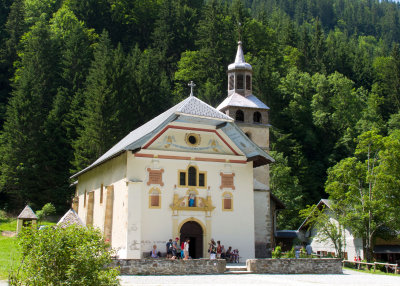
[[236, 270]]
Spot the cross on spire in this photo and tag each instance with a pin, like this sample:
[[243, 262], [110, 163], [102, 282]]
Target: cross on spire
[[192, 85]]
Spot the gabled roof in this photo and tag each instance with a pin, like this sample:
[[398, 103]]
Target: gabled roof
[[194, 106], [238, 100], [191, 106], [70, 217], [27, 213], [321, 203]]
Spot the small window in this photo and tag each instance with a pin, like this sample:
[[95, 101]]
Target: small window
[[192, 172], [239, 81], [239, 115], [227, 202], [192, 139], [201, 179], [257, 117], [155, 198], [101, 194], [182, 178], [231, 81], [248, 82]]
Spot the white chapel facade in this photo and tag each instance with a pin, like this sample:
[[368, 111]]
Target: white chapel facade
[[189, 172]]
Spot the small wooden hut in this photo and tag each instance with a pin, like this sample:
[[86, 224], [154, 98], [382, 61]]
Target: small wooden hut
[[26, 218]]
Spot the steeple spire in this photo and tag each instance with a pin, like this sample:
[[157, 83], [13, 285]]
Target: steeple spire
[[239, 54], [240, 62]]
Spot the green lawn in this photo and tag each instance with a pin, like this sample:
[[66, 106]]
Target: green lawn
[[371, 271], [9, 254], [8, 250]]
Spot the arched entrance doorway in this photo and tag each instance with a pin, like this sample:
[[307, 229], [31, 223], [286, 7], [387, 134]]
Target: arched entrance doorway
[[194, 232]]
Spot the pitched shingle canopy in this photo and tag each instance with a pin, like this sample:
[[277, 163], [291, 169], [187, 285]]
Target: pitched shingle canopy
[[71, 217], [27, 213], [238, 100]]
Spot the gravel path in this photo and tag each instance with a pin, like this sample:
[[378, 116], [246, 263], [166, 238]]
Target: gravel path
[[347, 278]]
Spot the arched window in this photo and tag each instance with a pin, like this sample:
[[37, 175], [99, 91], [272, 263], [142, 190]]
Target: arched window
[[193, 177], [231, 81], [257, 117], [239, 115], [248, 82], [154, 198], [192, 174], [239, 81], [227, 201]]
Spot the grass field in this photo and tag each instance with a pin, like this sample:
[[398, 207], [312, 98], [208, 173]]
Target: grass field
[[371, 271], [9, 254]]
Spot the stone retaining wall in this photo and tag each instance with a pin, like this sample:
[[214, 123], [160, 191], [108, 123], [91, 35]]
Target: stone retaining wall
[[169, 267], [295, 266]]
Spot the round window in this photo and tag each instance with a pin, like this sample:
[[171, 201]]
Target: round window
[[192, 139]]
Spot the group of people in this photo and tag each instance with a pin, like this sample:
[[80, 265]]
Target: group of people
[[175, 252], [217, 251]]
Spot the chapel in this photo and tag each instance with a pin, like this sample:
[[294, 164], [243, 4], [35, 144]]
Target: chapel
[[193, 172]]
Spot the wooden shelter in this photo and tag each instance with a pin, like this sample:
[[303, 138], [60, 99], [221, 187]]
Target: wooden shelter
[[26, 218]]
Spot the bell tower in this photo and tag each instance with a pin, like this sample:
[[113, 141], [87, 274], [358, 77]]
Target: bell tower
[[251, 115], [240, 75]]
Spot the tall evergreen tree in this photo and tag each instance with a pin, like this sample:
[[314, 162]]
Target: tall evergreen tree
[[14, 28], [24, 168]]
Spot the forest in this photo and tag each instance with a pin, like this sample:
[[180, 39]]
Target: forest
[[78, 75]]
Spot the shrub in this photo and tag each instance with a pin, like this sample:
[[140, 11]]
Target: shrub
[[277, 252], [3, 216], [48, 209], [291, 253], [63, 256]]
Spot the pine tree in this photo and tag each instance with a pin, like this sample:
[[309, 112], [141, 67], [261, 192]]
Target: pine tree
[[24, 167], [13, 30]]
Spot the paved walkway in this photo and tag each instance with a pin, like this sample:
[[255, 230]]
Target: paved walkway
[[347, 278]]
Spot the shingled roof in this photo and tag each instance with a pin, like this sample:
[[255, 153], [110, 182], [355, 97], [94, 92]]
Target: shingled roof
[[191, 106], [71, 217], [238, 100], [27, 213]]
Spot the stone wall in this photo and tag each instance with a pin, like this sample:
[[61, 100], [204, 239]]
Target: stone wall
[[170, 267], [295, 266]]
